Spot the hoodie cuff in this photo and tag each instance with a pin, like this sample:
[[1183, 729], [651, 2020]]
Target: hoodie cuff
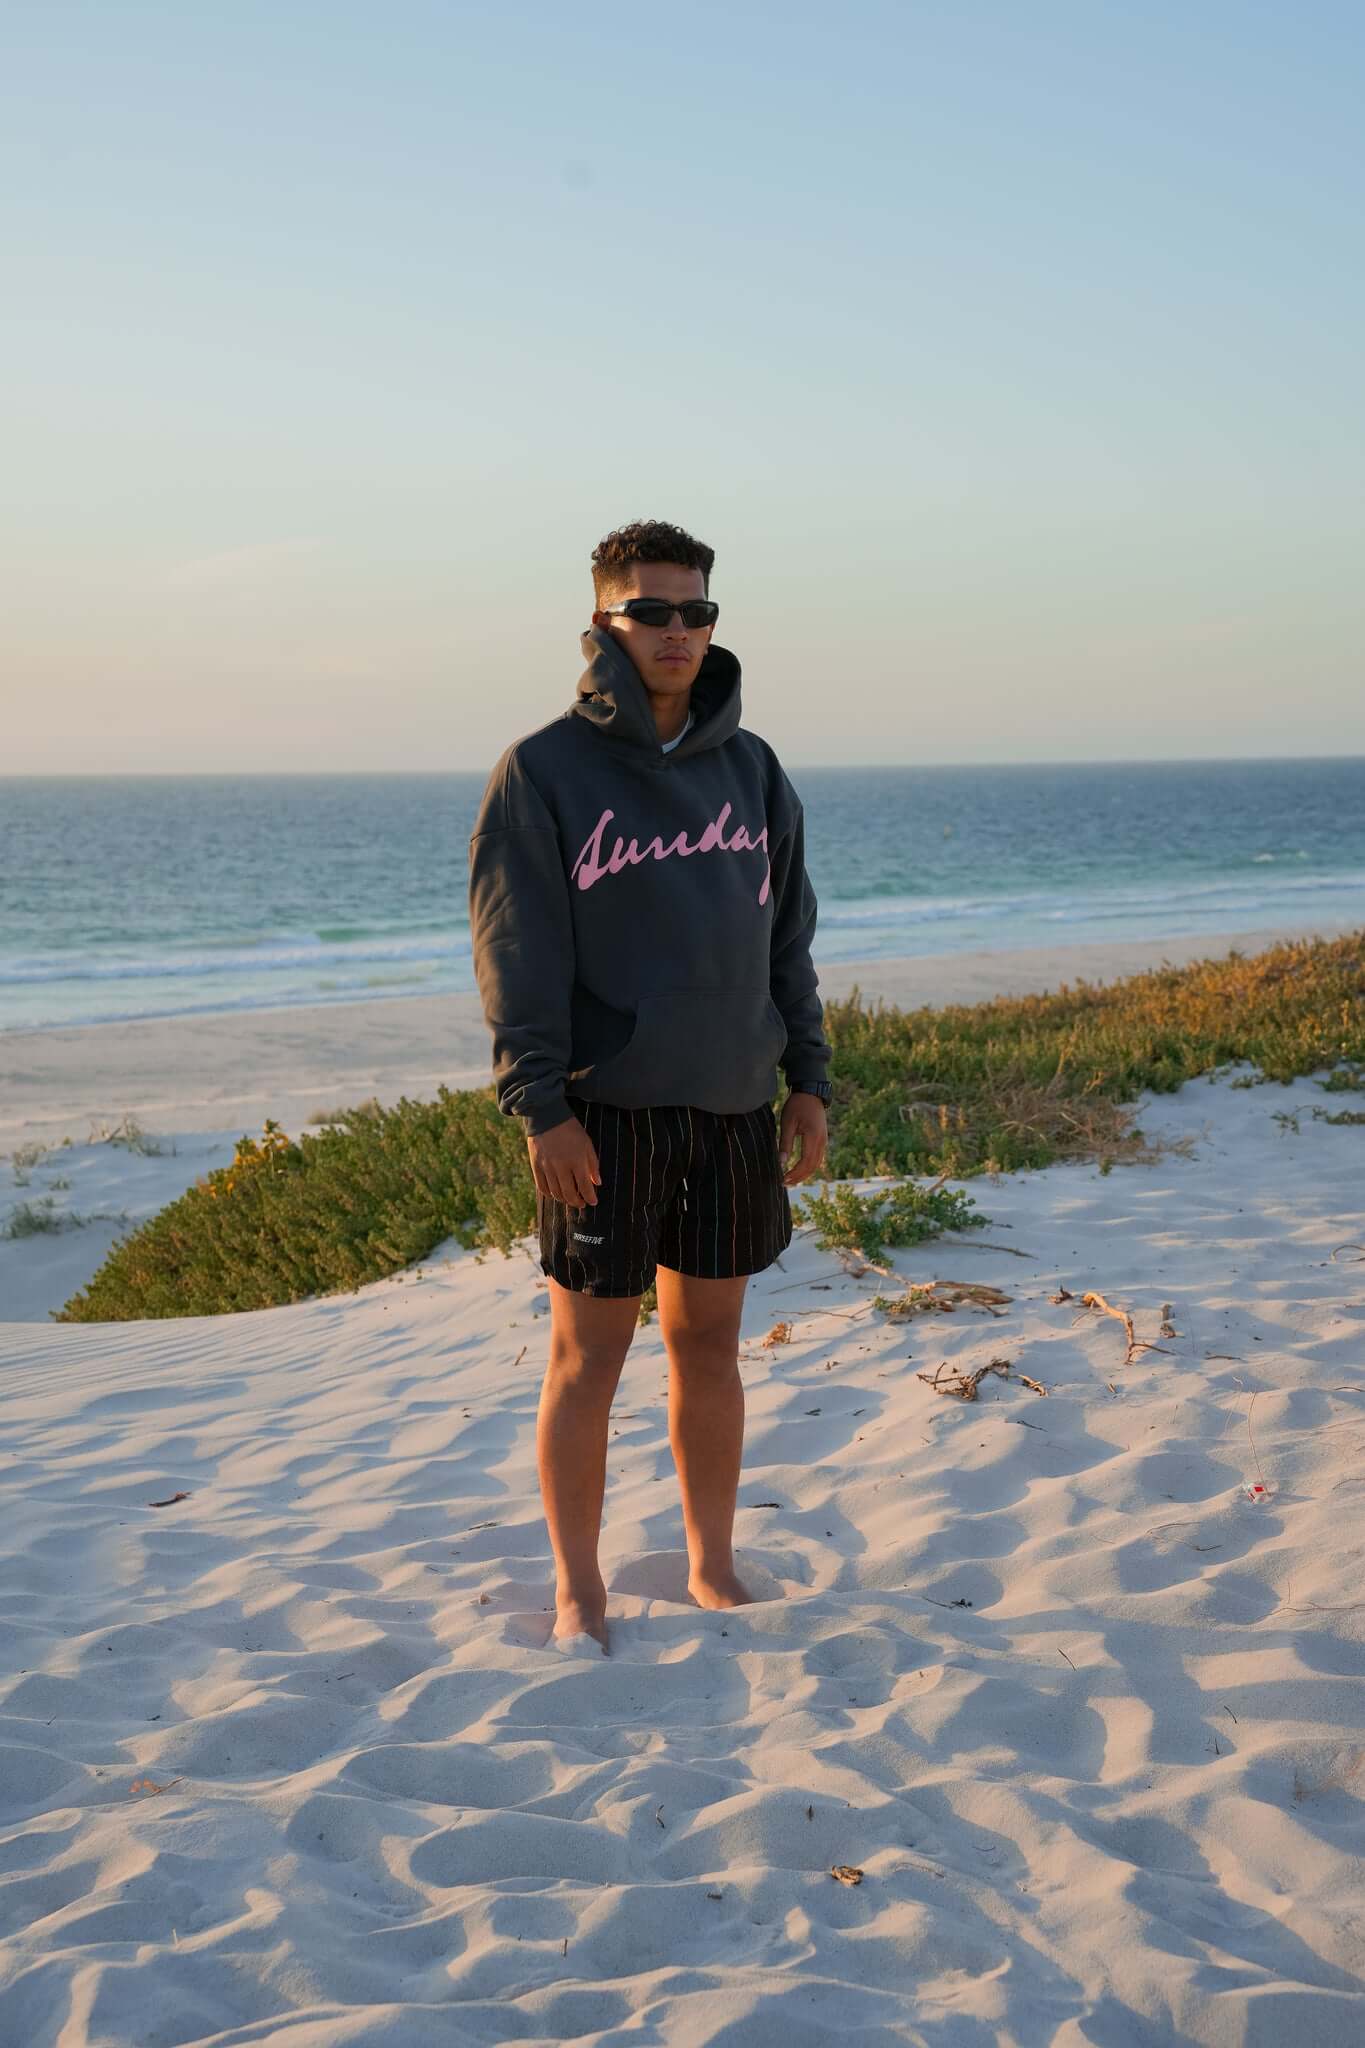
[[547, 1117]]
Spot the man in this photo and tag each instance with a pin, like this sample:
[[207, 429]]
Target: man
[[641, 920]]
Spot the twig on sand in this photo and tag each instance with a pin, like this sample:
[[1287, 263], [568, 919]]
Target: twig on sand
[[855, 1264], [1097, 1301], [921, 1296], [980, 1244], [965, 1384], [1251, 1439], [840, 1273], [1352, 1248]]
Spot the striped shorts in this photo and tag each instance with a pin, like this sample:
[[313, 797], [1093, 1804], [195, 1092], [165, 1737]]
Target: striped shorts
[[683, 1188]]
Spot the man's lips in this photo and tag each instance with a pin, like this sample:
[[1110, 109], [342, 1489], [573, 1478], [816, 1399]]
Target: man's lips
[[681, 659]]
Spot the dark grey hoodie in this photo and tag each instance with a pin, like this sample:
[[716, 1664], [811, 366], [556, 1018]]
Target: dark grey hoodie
[[641, 921]]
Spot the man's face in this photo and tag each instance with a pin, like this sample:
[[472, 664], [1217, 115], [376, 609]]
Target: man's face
[[655, 650]]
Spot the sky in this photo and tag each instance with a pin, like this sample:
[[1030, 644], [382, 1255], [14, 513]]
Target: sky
[[1007, 352]]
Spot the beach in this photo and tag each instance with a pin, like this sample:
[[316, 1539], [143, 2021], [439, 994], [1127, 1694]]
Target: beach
[[1064, 1679]]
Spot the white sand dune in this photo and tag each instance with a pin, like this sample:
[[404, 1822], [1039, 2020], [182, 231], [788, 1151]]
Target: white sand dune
[[293, 1761]]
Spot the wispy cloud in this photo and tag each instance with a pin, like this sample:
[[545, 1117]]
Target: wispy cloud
[[231, 568]]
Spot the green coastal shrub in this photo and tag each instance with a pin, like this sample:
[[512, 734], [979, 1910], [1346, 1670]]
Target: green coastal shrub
[[988, 1087], [1022, 1081], [289, 1219], [904, 1213]]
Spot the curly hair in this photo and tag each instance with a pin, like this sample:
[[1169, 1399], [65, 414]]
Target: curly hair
[[645, 540]]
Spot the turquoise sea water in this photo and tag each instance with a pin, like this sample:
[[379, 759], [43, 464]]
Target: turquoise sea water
[[142, 896]]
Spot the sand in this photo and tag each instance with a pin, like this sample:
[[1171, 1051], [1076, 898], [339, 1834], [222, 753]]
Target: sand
[[292, 1760]]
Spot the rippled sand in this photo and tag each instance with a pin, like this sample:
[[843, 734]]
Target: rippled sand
[[1086, 1717]]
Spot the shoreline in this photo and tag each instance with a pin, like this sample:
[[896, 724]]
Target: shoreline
[[218, 1070]]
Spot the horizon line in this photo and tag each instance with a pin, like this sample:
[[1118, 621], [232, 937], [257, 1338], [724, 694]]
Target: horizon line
[[865, 767]]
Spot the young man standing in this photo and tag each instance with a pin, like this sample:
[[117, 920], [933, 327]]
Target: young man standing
[[641, 921]]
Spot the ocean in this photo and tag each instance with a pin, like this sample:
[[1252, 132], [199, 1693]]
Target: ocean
[[155, 896]]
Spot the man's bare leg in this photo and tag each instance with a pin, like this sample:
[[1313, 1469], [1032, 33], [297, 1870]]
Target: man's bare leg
[[700, 1322], [589, 1338]]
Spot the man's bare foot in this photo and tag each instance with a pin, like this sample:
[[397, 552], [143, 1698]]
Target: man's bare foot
[[575, 1619], [718, 1589]]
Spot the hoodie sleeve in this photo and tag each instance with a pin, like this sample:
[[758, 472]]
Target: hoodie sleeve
[[793, 978], [521, 937]]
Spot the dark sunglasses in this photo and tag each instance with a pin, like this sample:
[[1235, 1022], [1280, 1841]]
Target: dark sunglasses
[[656, 611]]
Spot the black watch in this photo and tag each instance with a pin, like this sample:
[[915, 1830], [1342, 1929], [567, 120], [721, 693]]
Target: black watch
[[820, 1088]]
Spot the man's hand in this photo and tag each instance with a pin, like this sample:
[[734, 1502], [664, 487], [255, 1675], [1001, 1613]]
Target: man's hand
[[564, 1164], [803, 1117]]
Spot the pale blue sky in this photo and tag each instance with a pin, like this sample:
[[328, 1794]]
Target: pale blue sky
[[1009, 356]]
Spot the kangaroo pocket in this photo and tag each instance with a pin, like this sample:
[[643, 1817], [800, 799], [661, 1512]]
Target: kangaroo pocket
[[715, 1048]]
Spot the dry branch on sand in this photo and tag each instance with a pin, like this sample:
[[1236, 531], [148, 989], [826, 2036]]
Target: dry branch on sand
[[922, 1297], [855, 1264], [964, 1384], [1097, 1301]]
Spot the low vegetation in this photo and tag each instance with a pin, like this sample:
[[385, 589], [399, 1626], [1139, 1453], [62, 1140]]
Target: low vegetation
[[904, 1213], [949, 1093]]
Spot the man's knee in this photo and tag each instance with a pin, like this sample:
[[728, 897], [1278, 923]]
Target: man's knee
[[591, 1369], [703, 1358]]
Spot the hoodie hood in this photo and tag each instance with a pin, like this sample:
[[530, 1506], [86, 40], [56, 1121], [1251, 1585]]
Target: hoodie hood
[[612, 697]]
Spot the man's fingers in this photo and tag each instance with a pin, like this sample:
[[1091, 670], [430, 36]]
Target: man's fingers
[[571, 1186], [803, 1148]]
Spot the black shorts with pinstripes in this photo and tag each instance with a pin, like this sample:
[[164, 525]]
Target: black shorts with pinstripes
[[683, 1188]]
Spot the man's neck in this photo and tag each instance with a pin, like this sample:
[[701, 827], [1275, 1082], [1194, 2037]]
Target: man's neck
[[670, 716]]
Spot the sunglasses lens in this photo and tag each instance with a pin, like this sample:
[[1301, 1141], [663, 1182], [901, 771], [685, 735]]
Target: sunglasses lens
[[701, 611]]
